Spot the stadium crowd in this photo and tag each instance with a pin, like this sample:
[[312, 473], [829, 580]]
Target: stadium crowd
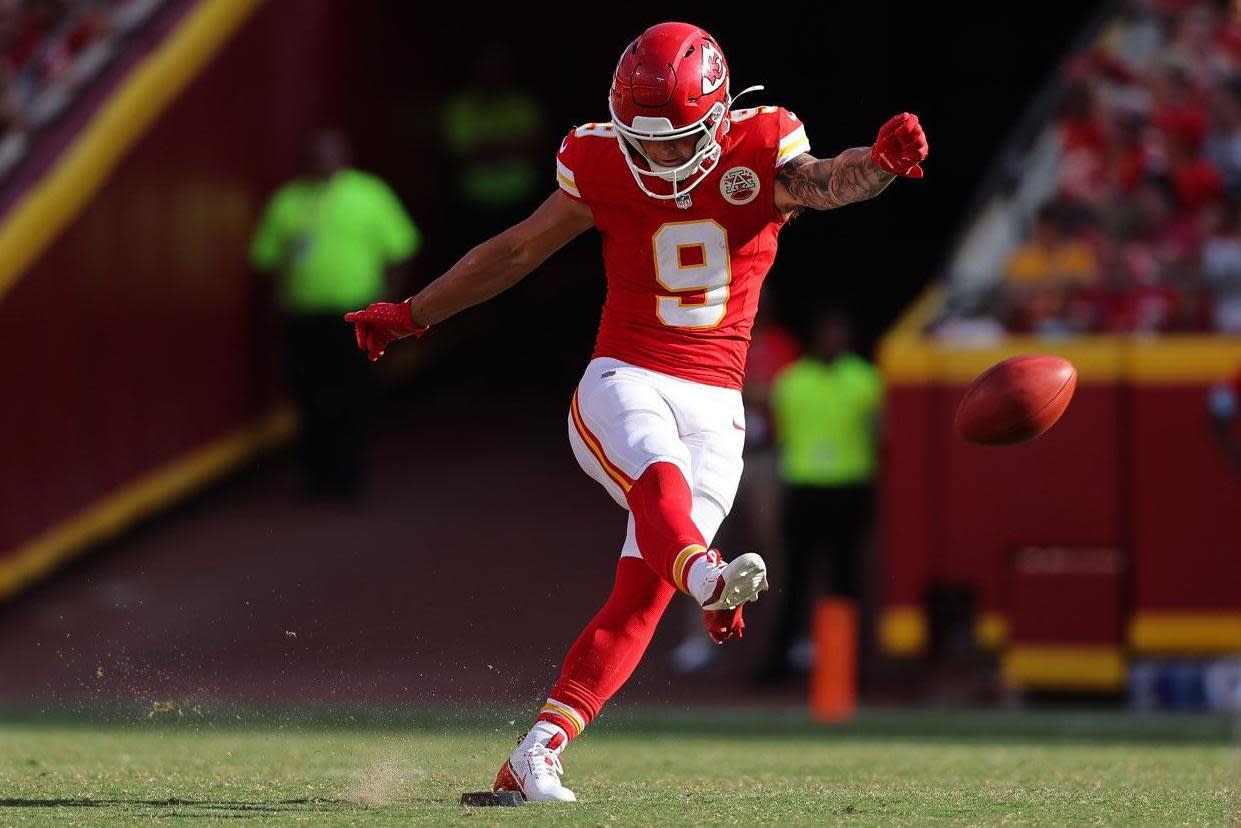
[[1142, 232], [48, 48]]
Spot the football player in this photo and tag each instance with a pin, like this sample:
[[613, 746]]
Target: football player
[[689, 196]]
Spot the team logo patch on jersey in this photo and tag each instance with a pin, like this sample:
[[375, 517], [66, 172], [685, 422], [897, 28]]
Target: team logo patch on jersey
[[739, 185]]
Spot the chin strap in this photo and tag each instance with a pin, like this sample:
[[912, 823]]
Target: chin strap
[[746, 91], [728, 125]]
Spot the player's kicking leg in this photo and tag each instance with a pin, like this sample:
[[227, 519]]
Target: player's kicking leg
[[597, 665], [671, 523], [622, 424]]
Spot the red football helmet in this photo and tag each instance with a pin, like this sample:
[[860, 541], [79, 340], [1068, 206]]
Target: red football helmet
[[671, 83]]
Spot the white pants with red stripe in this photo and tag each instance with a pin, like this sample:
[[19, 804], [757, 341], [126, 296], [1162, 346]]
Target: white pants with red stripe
[[624, 418]]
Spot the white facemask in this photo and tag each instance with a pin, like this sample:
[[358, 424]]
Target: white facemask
[[687, 176]]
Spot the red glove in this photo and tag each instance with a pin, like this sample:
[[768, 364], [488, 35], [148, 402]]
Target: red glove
[[381, 323], [901, 146], [724, 624]]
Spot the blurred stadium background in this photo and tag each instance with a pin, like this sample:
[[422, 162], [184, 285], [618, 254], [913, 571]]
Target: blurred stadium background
[[1082, 198]]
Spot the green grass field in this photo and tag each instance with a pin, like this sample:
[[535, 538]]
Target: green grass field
[[634, 768]]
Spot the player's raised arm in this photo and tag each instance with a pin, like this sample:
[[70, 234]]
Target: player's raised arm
[[856, 174], [490, 268]]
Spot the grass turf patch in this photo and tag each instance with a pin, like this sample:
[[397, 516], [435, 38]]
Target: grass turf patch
[[714, 767]]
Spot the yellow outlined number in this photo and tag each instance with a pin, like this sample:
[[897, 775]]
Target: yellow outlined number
[[692, 264]]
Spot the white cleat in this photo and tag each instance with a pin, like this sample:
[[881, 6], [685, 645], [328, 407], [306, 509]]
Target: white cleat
[[535, 774], [739, 582]]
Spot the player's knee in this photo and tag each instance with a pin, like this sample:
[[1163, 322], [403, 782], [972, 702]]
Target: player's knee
[[661, 485], [666, 476]]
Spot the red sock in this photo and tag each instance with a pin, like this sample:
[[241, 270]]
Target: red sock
[[608, 650], [661, 502]]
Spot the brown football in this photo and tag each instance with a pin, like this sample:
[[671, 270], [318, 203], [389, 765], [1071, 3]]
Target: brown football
[[1016, 400]]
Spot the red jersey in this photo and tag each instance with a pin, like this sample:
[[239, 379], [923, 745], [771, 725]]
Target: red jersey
[[684, 275]]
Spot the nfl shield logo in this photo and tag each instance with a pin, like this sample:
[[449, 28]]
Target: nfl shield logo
[[685, 201]]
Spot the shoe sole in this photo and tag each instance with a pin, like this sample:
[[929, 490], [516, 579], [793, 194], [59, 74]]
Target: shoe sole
[[744, 579]]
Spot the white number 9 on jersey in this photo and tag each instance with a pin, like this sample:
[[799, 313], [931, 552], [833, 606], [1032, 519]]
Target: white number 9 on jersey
[[692, 261]]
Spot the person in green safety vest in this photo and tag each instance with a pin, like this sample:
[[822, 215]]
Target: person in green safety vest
[[492, 131], [335, 238], [826, 409]]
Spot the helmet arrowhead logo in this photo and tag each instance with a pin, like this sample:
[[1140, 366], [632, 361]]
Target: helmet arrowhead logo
[[712, 68]]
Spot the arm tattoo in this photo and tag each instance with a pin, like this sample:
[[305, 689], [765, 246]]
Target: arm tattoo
[[833, 182]]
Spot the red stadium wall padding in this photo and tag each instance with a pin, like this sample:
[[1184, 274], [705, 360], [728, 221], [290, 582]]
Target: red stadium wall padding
[[133, 339], [1059, 490], [1131, 469], [1186, 505], [1065, 595], [909, 502]]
